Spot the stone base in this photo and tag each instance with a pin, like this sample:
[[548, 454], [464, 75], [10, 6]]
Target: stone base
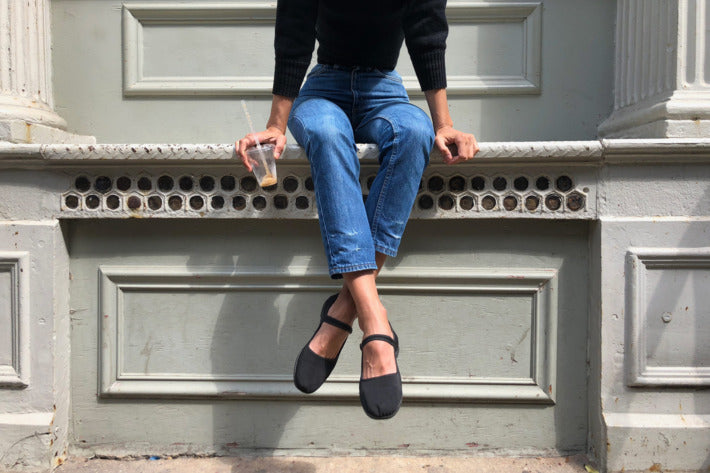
[[21, 131], [680, 114], [26, 442], [657, 442]]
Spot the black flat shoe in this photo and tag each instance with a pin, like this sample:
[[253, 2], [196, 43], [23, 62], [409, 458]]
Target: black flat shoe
[[312, 370], [381, 396]]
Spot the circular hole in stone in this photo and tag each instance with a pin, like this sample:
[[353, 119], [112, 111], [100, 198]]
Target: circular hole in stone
[[290, 184], [553, 201], [217, 202], [500, 183], [71, 201], [82, 183], [478, 183], [575, 201], [113, 202], [280, 201], [123, 183], [435, 184], [259, 202], [134, 202], [271, 188], [302, 202], [144, 184], [521, 183], [466, 202], [175, 202], [207, 183], [532, 202], [446, 202], [510, 202], [165, 183], [542, 183], [239, 202], [488, 202], [197, 202], [564, 183], [102, 184], [370, 180], [248, 184], [155, 202], [421, 184], [457, 184], [92, 201], [228, 183], [186, 183], [426, 202], [309, 183]]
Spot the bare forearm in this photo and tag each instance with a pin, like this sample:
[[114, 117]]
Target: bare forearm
[[439, 108], [280, 109]]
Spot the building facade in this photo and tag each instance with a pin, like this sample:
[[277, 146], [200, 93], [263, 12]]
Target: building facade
[[550, 295]]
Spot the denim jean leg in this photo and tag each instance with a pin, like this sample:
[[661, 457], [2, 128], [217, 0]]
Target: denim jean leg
[[325, 132], [405, 136]]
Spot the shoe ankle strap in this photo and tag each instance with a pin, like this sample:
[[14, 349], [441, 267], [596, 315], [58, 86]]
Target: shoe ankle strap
[[335, 322], [380, 337]]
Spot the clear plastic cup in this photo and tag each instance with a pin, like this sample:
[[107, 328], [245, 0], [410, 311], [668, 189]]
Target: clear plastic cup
[[263, 164]]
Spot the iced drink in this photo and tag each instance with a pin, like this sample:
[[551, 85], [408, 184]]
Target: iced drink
[[263, 164]]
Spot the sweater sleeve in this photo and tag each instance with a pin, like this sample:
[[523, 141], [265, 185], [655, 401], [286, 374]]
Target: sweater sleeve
[[294, 39], [425, 32]]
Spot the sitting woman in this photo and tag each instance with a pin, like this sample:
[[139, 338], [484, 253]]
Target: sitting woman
[[354, 95]]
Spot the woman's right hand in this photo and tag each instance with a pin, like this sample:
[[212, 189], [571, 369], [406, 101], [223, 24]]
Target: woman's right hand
[[272, 135]]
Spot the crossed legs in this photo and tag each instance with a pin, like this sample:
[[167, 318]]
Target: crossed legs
[[358, 299]]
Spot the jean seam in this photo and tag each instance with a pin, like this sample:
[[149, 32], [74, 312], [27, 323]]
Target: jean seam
[[317, 194], [386, 181], [351, 267]]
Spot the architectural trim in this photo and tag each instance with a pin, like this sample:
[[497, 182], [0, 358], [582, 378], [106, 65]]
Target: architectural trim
[[17, 373], [639, 261], [136, 15], [540, 284]]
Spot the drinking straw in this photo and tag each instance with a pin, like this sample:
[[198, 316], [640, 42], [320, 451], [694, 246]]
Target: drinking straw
[[253, 132]]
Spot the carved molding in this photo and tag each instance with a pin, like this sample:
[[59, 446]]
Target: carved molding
[[137, 15], [25, 63], [660, 85], [539, 284], [17, 373], [639, 262]]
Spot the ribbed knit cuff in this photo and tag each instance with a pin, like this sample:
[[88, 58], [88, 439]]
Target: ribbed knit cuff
[[288, 77], [431, 69]]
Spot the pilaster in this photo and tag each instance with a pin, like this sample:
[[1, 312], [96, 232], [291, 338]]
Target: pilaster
[[661, 87], [26, 104]]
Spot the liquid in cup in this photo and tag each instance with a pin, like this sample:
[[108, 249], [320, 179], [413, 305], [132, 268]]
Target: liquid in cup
[[263, 164]]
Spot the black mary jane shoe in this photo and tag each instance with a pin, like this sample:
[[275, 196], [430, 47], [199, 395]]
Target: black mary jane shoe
[[381, 396], [312, 370]]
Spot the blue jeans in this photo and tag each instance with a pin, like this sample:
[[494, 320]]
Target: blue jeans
[[337, 107]]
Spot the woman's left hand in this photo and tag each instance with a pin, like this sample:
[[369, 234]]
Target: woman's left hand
[[466, 144]]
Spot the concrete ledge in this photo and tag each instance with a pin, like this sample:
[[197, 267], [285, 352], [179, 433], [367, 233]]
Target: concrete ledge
[[25, 440], [657, 442]]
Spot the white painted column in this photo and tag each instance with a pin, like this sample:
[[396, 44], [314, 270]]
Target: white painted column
[[26, 103], [662, 74]]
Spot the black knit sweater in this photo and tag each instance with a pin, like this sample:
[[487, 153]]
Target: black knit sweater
[[367, 33]]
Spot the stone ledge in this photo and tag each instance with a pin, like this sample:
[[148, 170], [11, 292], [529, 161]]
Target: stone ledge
[[595, 152]]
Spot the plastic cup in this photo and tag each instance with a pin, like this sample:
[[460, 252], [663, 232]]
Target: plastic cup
[[263, 164]]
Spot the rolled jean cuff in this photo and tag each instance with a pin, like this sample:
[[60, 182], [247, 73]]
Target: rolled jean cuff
[[385, 250], [336, 272]]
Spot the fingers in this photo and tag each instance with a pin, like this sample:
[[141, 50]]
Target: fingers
[[280, 144], [466, 145], [440, 143]]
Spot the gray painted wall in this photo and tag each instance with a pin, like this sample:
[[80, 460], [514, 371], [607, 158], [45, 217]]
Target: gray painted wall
[[517, 71]]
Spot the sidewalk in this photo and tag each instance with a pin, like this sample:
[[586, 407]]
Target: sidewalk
[[573, 464]]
